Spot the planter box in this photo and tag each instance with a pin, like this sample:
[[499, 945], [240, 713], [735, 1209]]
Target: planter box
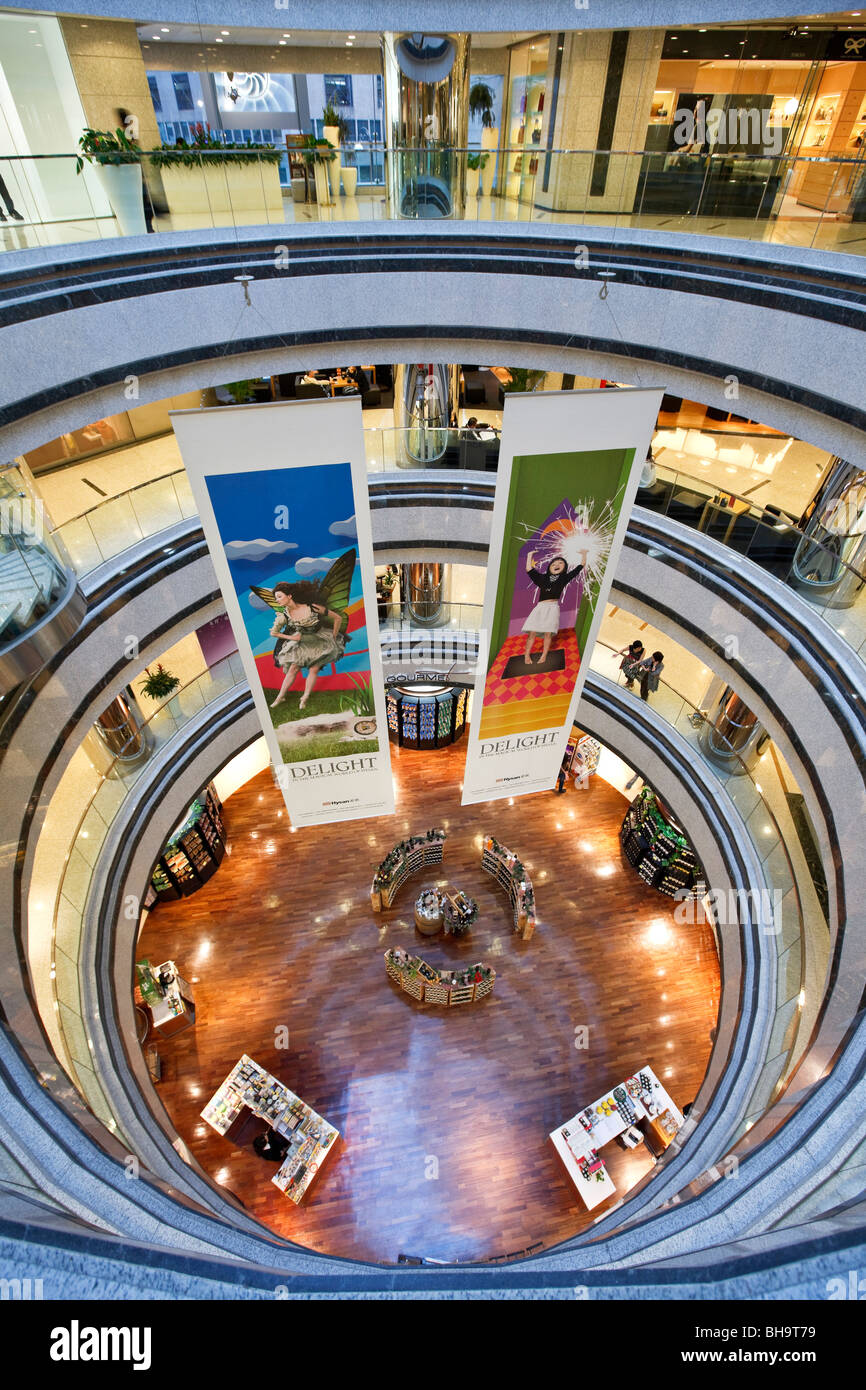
[[239, 187]]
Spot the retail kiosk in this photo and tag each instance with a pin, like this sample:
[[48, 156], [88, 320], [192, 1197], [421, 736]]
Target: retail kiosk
[[250, 1090], [168, 996], [640, 1103], [425, 716]]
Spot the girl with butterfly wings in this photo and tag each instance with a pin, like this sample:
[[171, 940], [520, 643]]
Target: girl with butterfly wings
[[310, 624]]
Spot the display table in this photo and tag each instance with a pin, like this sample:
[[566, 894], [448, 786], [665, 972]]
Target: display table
[[430, 986], [171, 1004], [640, 1100], [250, 1090], [406, 858], [504, 865], [428, 912]]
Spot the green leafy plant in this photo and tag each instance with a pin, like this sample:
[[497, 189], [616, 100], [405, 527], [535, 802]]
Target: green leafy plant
[[477, 161], [106, 147], [159, 683], [522, 379], [240, 391], [481, 103], [317, 147], [362, 700], [332, 117], [207, 150]]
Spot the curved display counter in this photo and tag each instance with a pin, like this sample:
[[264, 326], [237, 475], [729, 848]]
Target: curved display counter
[[504, 865], [406, 858], [426, 716], [429, 986]]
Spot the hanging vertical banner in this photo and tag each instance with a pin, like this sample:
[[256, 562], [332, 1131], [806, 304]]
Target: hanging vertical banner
[[558, 522], [282, 494]]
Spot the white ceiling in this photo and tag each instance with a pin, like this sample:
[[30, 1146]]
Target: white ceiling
[[306, 38]]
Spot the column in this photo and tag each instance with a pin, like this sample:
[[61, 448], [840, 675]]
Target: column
[[603, 101]]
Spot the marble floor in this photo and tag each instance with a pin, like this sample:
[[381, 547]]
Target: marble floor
[[795, 226]]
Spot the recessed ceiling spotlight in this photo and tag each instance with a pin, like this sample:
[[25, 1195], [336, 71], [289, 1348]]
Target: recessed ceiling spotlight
[[282, 43], [225, 31], [156, 38], [219, 40], [165, 31]]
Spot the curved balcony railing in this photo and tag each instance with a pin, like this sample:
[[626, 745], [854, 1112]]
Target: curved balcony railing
[[115, 784], [770, 841], [769, 537], [799, 200]]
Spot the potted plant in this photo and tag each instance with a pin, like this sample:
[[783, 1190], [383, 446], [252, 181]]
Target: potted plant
[[240, 391], [159, 684], [332, 124], [474, 164], [118, 167], [334, 129], [318, 153], [522, 379], [481, 104]]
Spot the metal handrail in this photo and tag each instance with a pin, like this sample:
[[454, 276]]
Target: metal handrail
[[692, 477]]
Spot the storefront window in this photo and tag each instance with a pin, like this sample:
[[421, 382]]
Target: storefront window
[[527, 81], [41, 114]]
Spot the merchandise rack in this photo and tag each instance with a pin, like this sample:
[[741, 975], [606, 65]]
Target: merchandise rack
[[661, 854], [500, 863], [429, 986], [406, 858]]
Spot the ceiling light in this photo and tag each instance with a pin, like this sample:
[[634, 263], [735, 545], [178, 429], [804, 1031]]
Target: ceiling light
[[156, 38], [282, 43], [165, 31], [219, 40], [225, 31]]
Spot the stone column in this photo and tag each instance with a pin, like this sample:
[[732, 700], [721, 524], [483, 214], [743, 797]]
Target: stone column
[[108, 67], [606, 84]]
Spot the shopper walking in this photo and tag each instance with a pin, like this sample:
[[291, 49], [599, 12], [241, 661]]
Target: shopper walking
[[561, 776], [650, 674], [632, 655]]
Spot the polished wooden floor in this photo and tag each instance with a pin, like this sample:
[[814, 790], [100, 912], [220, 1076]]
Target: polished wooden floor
[[444, 1113]]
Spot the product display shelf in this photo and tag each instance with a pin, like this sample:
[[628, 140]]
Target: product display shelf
[[193, 853], [450, 987], [311, 1139], [640, 1101], [658, 851], [500, 863], [406, 858]]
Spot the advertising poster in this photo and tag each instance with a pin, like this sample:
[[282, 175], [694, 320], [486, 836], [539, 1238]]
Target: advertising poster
[[569, 466], [282, 494]]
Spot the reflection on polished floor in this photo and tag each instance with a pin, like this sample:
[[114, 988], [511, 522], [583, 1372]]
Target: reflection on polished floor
[[444, 1114], [793, 227]]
